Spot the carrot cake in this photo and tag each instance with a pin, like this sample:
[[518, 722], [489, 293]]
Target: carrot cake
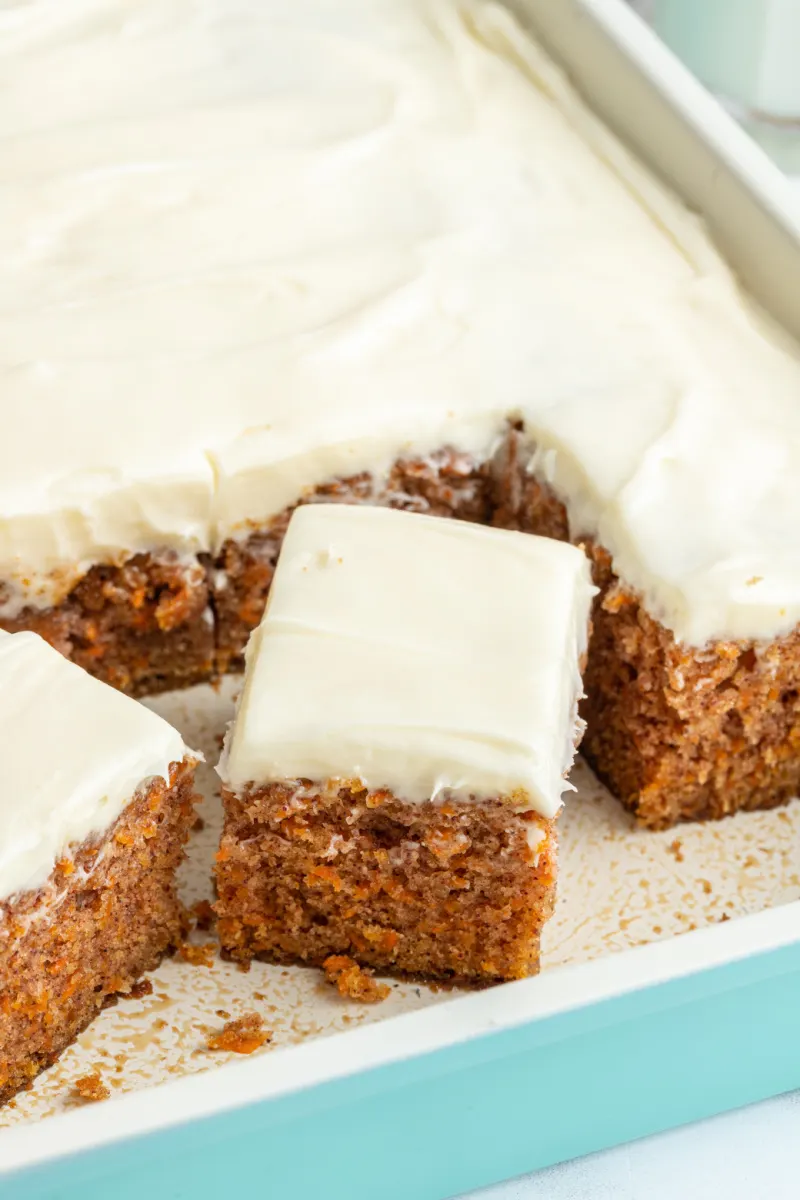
[[96, 803], [381, 252], [408, 717]]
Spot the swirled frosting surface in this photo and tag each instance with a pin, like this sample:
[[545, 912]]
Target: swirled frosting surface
[[249, 246], [435, 658]]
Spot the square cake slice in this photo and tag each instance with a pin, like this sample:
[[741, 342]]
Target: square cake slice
[[393, 772], [96, 804]]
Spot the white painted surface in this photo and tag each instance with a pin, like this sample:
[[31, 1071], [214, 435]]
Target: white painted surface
[[752, 1154]]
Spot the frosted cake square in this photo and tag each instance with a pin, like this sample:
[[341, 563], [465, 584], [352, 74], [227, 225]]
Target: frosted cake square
[[399, 752], [96, 803]]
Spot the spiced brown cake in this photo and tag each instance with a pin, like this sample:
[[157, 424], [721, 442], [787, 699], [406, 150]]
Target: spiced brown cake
[[96, 803], [387, 257], [396, 764]]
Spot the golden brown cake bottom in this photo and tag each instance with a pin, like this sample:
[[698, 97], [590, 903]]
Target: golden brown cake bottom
[[448, 891], [108, 912]]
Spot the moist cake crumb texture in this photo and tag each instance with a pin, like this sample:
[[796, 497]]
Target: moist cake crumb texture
[[96, 804], [448, 891], [428, 847], [242, 1035], [352, 981], [140, 989], [108, 913], [90, 1088], [143, 627], [198, 956], [203, 913]]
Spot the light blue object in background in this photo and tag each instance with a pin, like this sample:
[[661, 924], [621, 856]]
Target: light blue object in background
[[746, 50], [748, 53]]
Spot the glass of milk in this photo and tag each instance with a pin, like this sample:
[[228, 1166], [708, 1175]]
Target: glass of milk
[[748, 53]]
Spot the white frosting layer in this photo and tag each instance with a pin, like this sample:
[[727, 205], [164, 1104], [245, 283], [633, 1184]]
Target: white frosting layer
[[74, 752], [247, 245], [432, 657]]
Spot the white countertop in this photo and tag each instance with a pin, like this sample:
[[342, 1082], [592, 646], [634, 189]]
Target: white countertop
[[750, 1154]]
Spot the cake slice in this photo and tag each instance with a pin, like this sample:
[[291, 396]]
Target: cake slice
[[393, 772], [96, 803]]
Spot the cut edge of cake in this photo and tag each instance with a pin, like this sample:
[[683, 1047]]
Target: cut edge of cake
[[108, 912], [677, 732], [442, 864], [456, 891], [96, 805]]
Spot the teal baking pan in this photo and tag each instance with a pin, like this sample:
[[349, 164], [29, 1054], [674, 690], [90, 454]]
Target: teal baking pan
[[473, 1090], [653, 1010]]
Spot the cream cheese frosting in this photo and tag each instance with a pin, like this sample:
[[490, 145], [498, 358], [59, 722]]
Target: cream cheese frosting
[[247, 246], [74, 753], [436, 658]]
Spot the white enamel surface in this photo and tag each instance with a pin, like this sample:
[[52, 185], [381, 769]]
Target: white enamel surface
[[72, 754], [435, 658], [264, 244]]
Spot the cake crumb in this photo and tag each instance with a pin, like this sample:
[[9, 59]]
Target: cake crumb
[[199, 825], [90, 1088], [442, 985], [142, 987], [198, 956], [352, 981], [242, 1035], [244, 966], [204, 915], [675, 848], [706, 886]]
